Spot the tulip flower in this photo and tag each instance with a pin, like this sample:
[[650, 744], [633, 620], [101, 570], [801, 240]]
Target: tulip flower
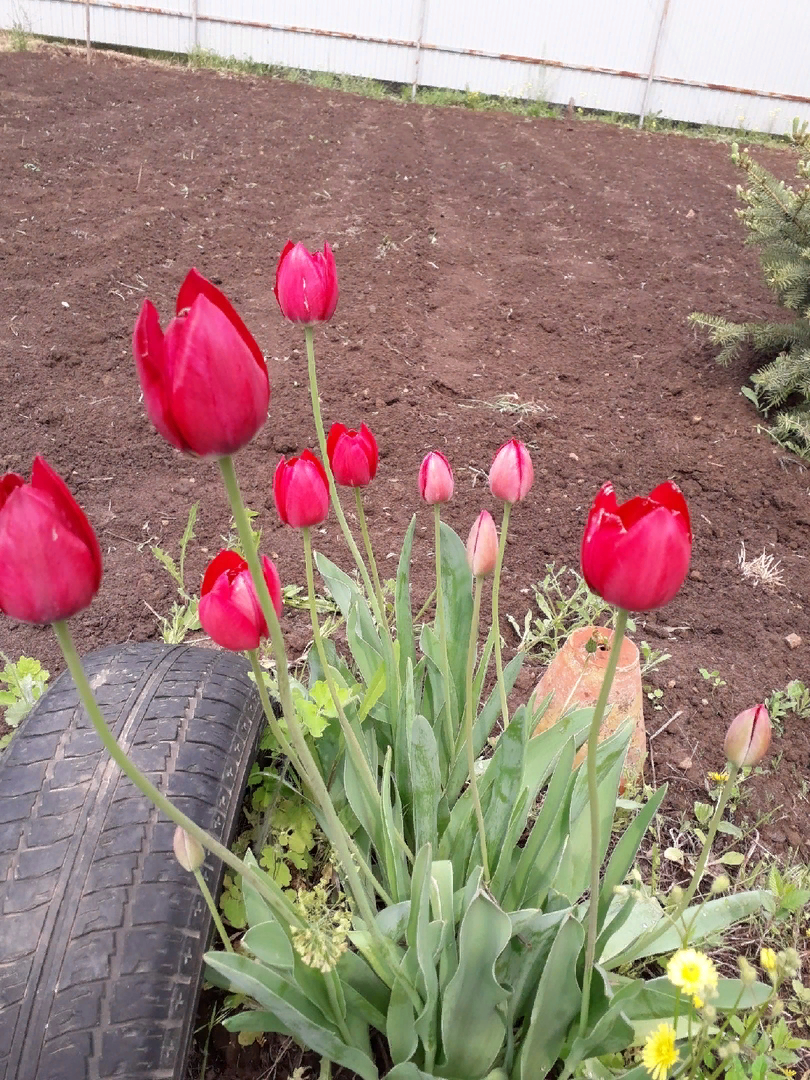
[[306, 284], [353, 455], [50, 560], [229, 610], [435, 478], [301, 491], [189, 852], [205, 383], [636, 555], [748, 736], [482, 545], [511, 473]]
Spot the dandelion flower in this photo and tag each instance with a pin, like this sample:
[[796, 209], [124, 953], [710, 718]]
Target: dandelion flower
[[719, 777], [659, 1053], [693, 972], [767, 957]]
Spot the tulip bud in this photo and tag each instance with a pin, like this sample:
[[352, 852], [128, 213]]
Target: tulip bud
[[636, 555], [301, 491], [50, 561], [306, 284], [435, 478], [482, 545], [188, 851], [204, 381], [748, 736], [229, 610], [512, 473], [353, 455]]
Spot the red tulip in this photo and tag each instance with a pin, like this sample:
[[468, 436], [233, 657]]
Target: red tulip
[[512, 473], [205, 383], [229, 610], [306, 284], [353, 455], [301, 491], [436, 478], [50, 561], [636, 555], [748, 736], [482, 545]]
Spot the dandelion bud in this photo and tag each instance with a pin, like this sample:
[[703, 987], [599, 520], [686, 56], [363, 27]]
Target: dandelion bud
[[791, 963], [748, 975], [720, 884], [188, 851]]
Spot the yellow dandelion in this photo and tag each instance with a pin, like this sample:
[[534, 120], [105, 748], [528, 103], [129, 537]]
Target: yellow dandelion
[[693, 972], [767, 957], [718, 777], [659, 1053], [698, 1001]]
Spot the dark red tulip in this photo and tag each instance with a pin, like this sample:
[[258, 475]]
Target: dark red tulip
[[50, 561], [229, 609], [301, 491], [636, 555], [306, 284], [353, 455], [205, 383]]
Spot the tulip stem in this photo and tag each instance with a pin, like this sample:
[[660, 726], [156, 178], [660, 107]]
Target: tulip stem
[[593, 800], [270, 892], [361, 517], [496, 588], [333, 827], [449, 726], [468, 726], [269, 715], [379, 614], [212, 907]]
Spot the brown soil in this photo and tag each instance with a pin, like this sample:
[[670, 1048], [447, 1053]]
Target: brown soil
[[479, 254]]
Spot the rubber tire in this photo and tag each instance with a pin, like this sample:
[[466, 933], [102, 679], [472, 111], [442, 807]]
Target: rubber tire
[[102, 933]]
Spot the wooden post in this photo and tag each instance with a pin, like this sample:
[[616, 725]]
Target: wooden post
[[653, 61], [87, 26], [422, 19], [193, 25]]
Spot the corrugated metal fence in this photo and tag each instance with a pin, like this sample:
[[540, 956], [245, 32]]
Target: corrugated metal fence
[[734, 63]]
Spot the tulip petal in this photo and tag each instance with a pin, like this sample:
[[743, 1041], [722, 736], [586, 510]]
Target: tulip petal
[[43, 478], [224, 621], [226, 562], [196, 285], [155, 375], [643, 567]]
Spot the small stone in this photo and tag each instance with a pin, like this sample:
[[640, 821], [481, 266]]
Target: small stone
[[685, 764], [704, 701], [696, 575], [690, 213], [672, 684], [793, 641], [573, 456], [696, 419]]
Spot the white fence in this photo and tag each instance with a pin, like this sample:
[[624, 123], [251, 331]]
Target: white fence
[[734, 63]]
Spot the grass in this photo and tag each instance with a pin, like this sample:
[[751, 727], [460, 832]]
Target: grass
[[199, 59]]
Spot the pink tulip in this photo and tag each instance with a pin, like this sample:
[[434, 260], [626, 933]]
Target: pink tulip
[[512, 473], [306, 284], [636, 555], [229, 610], [482, 545], [748, 736], [435, 478], [301, 491], [189, 852], [353, 455], [50, 561], [205, 383]]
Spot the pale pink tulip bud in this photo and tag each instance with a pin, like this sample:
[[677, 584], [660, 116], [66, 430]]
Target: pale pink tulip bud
[[436, 478], [512, 473], [748, 736], [188, 851], [482, 545]]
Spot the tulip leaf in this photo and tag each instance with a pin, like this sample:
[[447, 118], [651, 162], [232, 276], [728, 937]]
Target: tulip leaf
[[609, 1030], [391, 840], [268, 943], [556, 1003], [458, 605], [400, 1027], [522, 962], [361, 633], [407, 1070], [625, 851], [364, 990], [574, 871], [698, 923], [255, 1020], [359, 799], [504, 776], [293, 1009], [402, 603], [473, 1008], [423, 760]]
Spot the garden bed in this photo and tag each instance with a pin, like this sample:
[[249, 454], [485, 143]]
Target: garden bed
[[480, 255]]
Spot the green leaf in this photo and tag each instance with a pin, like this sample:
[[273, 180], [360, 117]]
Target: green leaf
[[423, 760], [391, 836], [556, 1003], [364, 990], [732, 858], [255, 1020], [625, 852], [402, 603], [361, 633], [458, 604], [472, 1021], [293, 1009], [268, 943]]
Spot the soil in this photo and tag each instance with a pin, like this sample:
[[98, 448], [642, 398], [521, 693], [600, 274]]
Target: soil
[[479, 254]]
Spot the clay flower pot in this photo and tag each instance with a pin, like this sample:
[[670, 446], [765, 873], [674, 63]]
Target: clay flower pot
[[575, 677]]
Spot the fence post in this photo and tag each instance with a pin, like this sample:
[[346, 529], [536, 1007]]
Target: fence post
[[653, 61], [193, 25], [417, 57], [87, 26]]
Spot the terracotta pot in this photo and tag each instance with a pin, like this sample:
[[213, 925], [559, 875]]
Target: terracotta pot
[[575, 677]]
